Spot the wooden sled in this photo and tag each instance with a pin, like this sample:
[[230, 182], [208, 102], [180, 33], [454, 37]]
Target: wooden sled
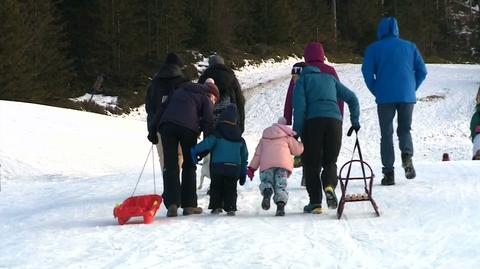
[[345, 175]]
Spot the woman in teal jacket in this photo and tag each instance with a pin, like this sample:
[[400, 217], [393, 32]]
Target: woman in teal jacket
[[318, 121]]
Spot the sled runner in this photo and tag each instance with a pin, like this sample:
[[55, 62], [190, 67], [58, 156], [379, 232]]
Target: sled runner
[[345, 176], [145, 206]]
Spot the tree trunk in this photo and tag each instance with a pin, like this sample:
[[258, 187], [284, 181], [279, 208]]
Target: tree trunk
[[334, 11]]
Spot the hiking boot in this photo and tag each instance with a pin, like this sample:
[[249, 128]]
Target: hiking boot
[[313, 208], [280, 209], [267, 194], [231, 213], [477, 156], [388, 178], [332, 201], [217, 211], [407, 165], [172, 211], [192, 210]]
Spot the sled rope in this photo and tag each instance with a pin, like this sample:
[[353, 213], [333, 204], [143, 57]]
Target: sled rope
[[153, 168], [143, 168]]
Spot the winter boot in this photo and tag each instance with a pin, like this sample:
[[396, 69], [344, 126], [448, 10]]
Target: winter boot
[[280, 209], [313, 208], [217, 211], [231, 213], [267, 194], [477, 156], [172, 211], [332, 201], [192, 210], [407, 165], [388, 178]]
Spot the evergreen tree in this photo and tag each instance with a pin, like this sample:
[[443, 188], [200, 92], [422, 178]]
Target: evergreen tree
[[17, 75], [120, 42], [359, 20], [43, 70], [313, 21]]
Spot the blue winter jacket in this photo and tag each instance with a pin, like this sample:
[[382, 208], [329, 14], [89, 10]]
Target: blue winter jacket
[[393, 68], [228, 158], [315, 95]]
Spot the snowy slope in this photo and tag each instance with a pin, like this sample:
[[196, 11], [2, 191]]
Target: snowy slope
[[63, 171]]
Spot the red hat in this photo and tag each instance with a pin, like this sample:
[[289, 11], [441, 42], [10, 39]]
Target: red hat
[[212, 88]]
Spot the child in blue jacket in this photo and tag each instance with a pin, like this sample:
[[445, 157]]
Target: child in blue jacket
[[228, 161]]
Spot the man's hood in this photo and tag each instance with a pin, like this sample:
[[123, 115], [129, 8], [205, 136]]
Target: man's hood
[[314, 53], [388, 27]]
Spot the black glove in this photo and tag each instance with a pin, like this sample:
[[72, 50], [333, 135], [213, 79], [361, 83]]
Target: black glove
[[353, 128], [152, 137]]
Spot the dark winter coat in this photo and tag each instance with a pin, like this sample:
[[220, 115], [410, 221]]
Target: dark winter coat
[[190, 107], [168, 78], [393, 68], [229, 88], [475, 122]]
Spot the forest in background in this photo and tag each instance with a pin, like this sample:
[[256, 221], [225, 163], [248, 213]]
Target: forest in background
[[52, 50]]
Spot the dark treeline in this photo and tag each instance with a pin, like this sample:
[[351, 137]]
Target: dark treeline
[[54, 49]]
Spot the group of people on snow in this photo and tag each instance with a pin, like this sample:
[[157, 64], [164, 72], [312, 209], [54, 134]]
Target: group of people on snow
[[180, 110]]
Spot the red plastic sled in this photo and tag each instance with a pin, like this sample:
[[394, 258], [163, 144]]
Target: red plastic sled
[[145, 206]]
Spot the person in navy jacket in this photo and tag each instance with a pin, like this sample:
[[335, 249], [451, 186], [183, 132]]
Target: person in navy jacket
[[393, 70]]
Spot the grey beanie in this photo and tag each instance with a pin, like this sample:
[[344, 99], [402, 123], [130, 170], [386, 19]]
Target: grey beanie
[[215, 59]]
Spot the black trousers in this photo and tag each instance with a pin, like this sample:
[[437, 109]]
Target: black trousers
[[322, 139], [223, 192], [182, 194]]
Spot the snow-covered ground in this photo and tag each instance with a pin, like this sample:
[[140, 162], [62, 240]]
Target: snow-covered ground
[[63, 171]]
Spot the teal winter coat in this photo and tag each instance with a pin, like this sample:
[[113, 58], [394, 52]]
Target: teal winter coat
[[315, 95]]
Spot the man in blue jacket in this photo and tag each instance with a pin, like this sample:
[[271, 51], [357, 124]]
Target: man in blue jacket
[[393, 70]]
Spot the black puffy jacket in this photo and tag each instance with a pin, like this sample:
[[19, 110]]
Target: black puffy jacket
[[228, 86]]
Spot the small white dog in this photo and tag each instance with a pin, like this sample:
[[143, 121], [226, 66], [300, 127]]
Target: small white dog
[[205, 171]]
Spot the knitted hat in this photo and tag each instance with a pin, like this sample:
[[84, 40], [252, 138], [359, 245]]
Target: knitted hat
[[229, 115], [212, 88], [297, 68], [173, 58], [215, 59]]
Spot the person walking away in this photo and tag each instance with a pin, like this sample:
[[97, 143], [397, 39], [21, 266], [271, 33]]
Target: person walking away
[[228, 86], [229, 156], [188, 113], [168, 78], [274, 157], [475, 129], [318, 121], [288, 109], [393, 70]]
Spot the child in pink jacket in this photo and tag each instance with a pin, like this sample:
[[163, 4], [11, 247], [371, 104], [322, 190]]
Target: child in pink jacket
[[274, 157]]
